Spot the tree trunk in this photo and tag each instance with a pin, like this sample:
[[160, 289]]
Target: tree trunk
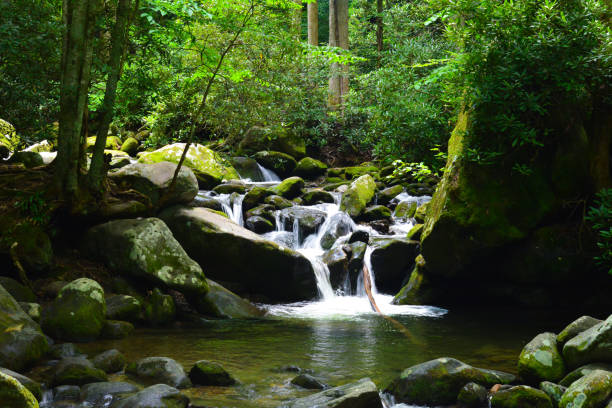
[[118, 42], [296, 19], [313, 23], [379, 29], [79, 17], [338, 37]]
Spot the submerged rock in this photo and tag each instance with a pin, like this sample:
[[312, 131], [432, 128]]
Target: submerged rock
[[591, 391], [540, 360], [358, 195], [116, 329], [438, 382], [159, 370], [280, 163], [156, 396], [360, 394], [14, 395], [210, 373], [521, 396], [590, 346], [263, 266], [575, 328], [308, 382], [220, 302]]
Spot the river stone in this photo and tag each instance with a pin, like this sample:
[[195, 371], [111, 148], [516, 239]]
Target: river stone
[[255, 197], [282, 139], [405, 210], [438, 382], [232, 186], [340, 224], [265, 211], [375, 212], [391, 261], [309, 219], [156, 396], [210, 373], [66, 393], [30, 384], [540, 360], [278, 202], [130, 146], [582, 371], [590, 346], [14, 395], [116, 329], [358, 195], [78, 313], [159, 370], [415, 232], [220, 302], [110, 361], [159, 309], [145, 248], [316, 196], [153, 181], [554, 391], [591, 391], [97, 394], [308, 382], [575, 328], [76, 371], [258, 225], [289, 188], [21, 341], [310, 168], [337, 262], [18, 291], [360, 394], [112, 143], [472, 395], [209, 168], [359, 236], [123, 307], [280, 163], [421, 213], [64, 350], [388, 194], [31, 309], [247, 168], [520, 396], [263, 266]]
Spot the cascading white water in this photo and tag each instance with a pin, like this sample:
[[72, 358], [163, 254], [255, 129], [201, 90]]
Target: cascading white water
[[232, 206], [267, 174]]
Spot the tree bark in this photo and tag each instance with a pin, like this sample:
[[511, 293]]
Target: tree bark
[[313, 23], [338, 37]]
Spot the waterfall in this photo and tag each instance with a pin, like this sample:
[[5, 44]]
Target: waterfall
[[232, 206], [267, 174]]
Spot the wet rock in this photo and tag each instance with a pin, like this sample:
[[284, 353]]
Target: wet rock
[[153, 181], [388, 194], [590, 346], [247, 168], [15, 395], [521, 396], [280, 163], [281, 139], [337, 261], [415, 232], [359, 236], [405, 210], [209, 168], [78, 313], [309, 219], [310, 168], [472, 395], [391, 260], [421, 213], [265, 211], [18, 291], [540, 360], [575, 328], [105, 393], [438, 382], [289, 188], [130, 146], [156, 396], [360, 394], [28, 159], [159, 370], [207, 202], [21, 341], [591, 391], [76, 371], [233, 186], [316, 196], [380, 226], [263, 266], [159, 309], [220, 302], [64, 350], [554, 391], [376, 212], [278, 202], [582, 371], [358, 195], [31, 385], [110, 361], [66, 393], [259, 225], [255, 197], [31, 309], [123, 307], [308, 382], [116, 329], [210, 373], [146, 248], [340, 224]]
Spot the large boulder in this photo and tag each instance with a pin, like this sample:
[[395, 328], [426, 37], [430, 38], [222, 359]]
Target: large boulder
[[112, 143], [580, 372], [78, 313], [590, 346], [247, 168], [146, 249], [209, 168], [153, 181], [575, 328], [279, 139], [360, 394], [21, 341], [263, 266], [308, 219], [32, 386], [540, 360], [156, 396], [358, 195], [123, 307], [521, 396], [289, 188], [28, 159], [438, 382], [391, 261], [591, 391], [15, 395], [220, 302], [159, 370], [18, 291], [76, 371], [310, 168], [280, 163]]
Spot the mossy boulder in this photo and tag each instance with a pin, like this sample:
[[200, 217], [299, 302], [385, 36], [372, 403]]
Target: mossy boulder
[[316, 196], [78, 313], [116, 329], [159, 309], [255, 197], [360, 394], [391, 261], [590, 346], [14, 395], [265, 211], [375, 212], [540, 360], [247, 168], [233, 186], [155, 396], [415, 292], [32, 386], [310, 168], [18, 291], [580, 372], [438, 382], [289, 188], [208, 166], [554, 391], [472, 395], [415, 232], [28, 159], [123, 307], [263, 266], [110, 361], [206, 372], [591, 391], [158, 370], [154, 180], [146, 249], [521, 396], [31, 309], [405, 210], [421, 213], [259, 225], [358, 195], [280, 163], [388, 194], [308, 382], [308, 219], [76, 371], [130, 146], [278, 202], [279, 139], [8, 136], [576, 327], [112, 143], [222, 303]]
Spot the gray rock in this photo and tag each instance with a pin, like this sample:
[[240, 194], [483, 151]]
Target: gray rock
[[308, 382], [123, 307], [308, 219], [259, 225], [575, 328], [593, 390], [110, 361], [116, 329], [66, 393], [156, 396], [590, 346], [220, 302], [76, 371], [554, 391], [392, 260], [159, 370], [360, 394], [521, 396], [98, 394], [63, 350], [472, 395], [31, 309]]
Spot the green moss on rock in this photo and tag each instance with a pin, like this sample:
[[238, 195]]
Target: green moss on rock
[[358, 195], [540, 360], [281, 163], [521, 396], [15, 395], [310, 168], [289, 188]]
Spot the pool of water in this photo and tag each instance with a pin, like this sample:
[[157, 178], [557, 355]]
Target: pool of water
[[339, 347]]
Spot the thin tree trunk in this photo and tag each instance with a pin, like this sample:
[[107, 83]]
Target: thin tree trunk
[[313, 23], [338, 37], [296, 19], [379, 29], [118, 42]]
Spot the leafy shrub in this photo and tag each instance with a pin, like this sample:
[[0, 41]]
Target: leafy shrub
[[600, 218]]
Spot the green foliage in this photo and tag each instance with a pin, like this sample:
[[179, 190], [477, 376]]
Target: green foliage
[[34, 208], [418, 171], [600, 218]]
